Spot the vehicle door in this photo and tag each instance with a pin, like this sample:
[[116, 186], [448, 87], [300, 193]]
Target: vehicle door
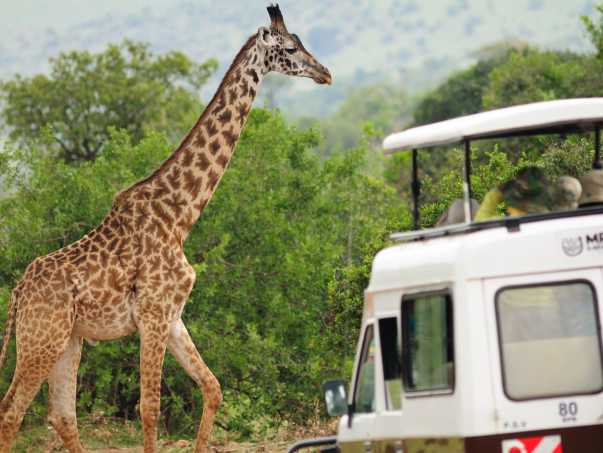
[[545, 344], [357, 432], [389, 387]]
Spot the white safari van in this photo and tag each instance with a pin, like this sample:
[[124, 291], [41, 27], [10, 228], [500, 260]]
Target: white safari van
[[483, 337]]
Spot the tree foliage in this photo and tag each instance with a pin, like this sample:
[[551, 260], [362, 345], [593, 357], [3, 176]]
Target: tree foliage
[[571, 157], [126, 87], [594, 30]]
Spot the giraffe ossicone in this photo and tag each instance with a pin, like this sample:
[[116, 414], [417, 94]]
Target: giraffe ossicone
[[130, 273]]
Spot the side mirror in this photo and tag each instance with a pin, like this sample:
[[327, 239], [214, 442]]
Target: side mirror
[[336, 398]]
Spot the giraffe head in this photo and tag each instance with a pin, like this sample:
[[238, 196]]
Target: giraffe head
[[285, 52]]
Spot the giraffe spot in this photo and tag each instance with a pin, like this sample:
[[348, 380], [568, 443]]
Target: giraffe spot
[[201, 205], [141, 216], [104, 257], [222, 160], [200, 139], [233, 96], [294, 65], [113, 244], [187, 157], [176, 204], [151, 245], [243, 110], [235, 78], [162, 214], [255, 58], [225, 117], [187, 221], [173, 178], [231, 137], [244, 88], [127, 208], [288, 63], [115, 280], [251, 93], [220, 105], [214, 147], [265, 62], [271, 58], [251, 72], [161, 189], [203, 162], [210, 127], [192, 183], [213, 178]]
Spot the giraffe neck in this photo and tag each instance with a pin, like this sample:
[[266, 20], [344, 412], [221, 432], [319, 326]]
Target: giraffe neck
[[183, 185]]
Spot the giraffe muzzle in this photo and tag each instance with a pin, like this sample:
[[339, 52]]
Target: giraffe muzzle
[[323, 78]]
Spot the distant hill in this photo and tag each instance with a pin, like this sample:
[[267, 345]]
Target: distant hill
[[360, 41]]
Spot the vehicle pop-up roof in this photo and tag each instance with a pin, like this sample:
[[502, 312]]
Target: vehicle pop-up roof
[[563, 117]]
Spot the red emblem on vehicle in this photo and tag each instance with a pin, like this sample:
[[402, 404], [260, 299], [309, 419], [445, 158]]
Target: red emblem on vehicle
[[544, 444]]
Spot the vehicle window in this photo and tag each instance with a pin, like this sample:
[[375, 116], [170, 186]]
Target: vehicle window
[[364, 398], [427, 343], [390, 353], [550, 342]]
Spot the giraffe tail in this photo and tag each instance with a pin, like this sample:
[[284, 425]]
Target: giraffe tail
[[10, 320]]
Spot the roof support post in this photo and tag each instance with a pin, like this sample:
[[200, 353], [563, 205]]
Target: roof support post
[[467, 183], [415, 188], [597, 164]]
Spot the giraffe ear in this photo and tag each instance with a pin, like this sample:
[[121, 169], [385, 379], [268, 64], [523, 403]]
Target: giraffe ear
[[265, 37]]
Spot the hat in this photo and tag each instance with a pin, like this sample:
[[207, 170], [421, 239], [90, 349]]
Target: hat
[[592, 188], [528, 192], [566, 193], [456, 213]]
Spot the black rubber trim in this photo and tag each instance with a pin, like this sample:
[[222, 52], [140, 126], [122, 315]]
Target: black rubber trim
[[312, 443]]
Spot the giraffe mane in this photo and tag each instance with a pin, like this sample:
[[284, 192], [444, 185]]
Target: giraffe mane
[[125, 193]]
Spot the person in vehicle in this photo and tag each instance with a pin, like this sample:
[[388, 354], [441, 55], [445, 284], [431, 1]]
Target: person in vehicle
[[592, 189], [528, 193], [456, 213], [566, 193]]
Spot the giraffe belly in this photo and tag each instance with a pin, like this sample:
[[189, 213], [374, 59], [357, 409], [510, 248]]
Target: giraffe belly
[[102, 331], [103, 321]]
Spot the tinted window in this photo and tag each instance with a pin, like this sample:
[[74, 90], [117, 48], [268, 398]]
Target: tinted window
[[364, 398], [390, 353], [427, 343], [549, 337]]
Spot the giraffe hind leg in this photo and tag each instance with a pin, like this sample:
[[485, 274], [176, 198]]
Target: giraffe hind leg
[[62, 392], [182, 347], [43, 332]]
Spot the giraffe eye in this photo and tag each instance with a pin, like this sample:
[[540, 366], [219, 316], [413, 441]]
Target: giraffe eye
[[292, 50]]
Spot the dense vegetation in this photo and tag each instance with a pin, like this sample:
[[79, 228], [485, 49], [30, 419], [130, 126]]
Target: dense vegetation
[[283, 251]]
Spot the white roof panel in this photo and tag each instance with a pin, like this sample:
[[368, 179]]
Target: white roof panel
[[535, 248], [549, 117]]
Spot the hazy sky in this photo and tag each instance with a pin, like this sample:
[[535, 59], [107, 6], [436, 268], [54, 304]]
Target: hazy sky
[[381, 37]]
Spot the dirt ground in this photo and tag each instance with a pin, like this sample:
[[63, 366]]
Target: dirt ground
[[119, 436]]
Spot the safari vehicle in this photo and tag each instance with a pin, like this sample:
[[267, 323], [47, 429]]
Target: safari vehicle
[[483, 336]]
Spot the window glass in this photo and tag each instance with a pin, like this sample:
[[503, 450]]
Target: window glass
[[364, 398], [427, 343], [549, 340], [390, 353]]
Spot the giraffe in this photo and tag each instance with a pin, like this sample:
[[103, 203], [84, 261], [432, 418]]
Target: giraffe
[[130, 273]]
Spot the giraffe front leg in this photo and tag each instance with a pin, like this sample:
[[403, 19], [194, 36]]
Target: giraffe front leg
[[153, 341], [62, 391], [181, 345]]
